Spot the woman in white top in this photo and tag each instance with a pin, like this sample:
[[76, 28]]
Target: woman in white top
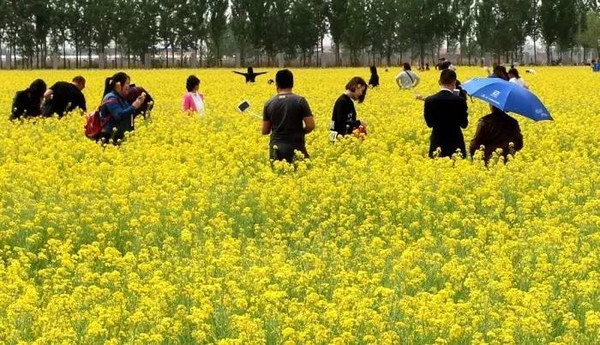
[[407, 79], [513, 74], [193, 101]]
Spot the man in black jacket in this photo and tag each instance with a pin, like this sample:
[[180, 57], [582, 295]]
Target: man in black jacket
[[446, 113], [65, 97]]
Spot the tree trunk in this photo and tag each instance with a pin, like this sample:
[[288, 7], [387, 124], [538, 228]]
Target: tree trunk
[[65, 54], [167, 54], [89, 57], [548, 55], [337, 54], [172, 55]]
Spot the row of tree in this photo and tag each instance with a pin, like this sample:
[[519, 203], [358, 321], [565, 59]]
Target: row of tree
[[34, 29]]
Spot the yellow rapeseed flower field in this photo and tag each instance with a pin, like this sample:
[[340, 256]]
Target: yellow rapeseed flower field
[[186, 235]]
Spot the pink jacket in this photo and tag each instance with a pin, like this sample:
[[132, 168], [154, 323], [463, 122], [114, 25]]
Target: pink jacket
[[188, 102]]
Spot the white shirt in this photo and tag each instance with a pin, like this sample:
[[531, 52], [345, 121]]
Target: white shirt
[[198, 102], [408, 79], [519, 81]]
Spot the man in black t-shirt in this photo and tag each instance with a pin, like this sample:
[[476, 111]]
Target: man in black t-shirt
[[65, 97], [343, 119], [288, 118]]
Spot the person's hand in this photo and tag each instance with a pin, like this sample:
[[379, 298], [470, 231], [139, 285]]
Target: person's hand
[[139, 101], [419, 97], [48, 94]]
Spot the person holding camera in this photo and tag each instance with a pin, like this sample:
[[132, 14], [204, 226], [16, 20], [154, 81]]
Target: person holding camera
[[446, 113], [115, 109]]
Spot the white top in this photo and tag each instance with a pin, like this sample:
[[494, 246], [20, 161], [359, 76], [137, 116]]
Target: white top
[[407, 79], [198, 102], [519, 81]]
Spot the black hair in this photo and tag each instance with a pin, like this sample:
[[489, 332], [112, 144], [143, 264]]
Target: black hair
[[110, 82], [373, 70], [514, 72], [191, 83], [445, 65], [250, 70], [79, 80], [284, 79], [500, 72], [406, 66], [447, 76], [37, 89], [354, 83]]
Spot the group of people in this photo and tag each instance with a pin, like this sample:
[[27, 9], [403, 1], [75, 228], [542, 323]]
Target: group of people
[[287, 117]]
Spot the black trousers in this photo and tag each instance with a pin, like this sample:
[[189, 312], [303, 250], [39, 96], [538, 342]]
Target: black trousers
[[285, 151]]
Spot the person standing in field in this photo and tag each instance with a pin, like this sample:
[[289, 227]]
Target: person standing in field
[[250, 75], [343, 118], [446, 113], [515, 78], [374, 80], [407, 79], [193, 101], [287, 118]]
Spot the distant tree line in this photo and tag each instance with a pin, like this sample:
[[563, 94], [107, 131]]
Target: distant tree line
[[262, 30]]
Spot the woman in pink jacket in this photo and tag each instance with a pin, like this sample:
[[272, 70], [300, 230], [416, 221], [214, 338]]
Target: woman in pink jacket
[[193, 101]]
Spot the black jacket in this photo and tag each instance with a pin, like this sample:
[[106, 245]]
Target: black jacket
[[65, 98], [497, 130], [24, 106], [446, 114]]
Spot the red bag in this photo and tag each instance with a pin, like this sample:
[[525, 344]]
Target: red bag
[[94, 122]]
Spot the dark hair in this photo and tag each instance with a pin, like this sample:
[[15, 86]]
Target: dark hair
[[37, 89], [354, 83], [514, 72], [109, 83], [250, 70], [284, 79], [373, 70], [500, 71], [406, 66], [79, 80], [447, 76], [191, 83], [445, 65]]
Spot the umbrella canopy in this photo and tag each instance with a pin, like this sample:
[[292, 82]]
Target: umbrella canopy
[[508, 97]]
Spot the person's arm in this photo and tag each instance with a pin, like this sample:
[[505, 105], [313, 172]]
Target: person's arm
[[429, 115], [417, 80], [117, 111], [338, 119], [399, 80], [259, 73], [266, 125], [309, 120], [187, 103], [240, 73], [309, 124], [17, 109], [464, 114]]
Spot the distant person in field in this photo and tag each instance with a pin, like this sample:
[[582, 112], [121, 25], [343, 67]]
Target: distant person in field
[[64, 97], [116, 109], [250, 75], [193, 100], [374, 80], [343, 118], [287, 118], [132, 96], [499, 72], [446, 113], [515, 78], [28, 102], [407, 79], [497, 130]]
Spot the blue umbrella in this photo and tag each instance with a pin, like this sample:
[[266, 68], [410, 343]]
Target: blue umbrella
[[508, 97]]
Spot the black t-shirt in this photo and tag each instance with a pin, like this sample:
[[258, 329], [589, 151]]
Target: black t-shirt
[[343, 119], [66, 97], [286, 113]]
